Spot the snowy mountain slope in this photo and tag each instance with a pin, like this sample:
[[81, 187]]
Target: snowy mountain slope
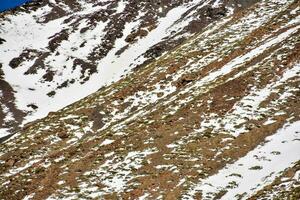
[[55, 52], [215, 118]]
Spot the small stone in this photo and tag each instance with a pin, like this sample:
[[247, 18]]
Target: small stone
[[62, 135], [11, 162]]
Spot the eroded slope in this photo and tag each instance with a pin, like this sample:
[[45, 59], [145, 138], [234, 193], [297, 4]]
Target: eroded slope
[[194, 124], [56, 52]]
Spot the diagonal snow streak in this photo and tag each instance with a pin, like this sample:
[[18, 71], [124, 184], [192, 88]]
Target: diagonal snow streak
[[110, 69], [248, 108], [257, 169], [204, 84]]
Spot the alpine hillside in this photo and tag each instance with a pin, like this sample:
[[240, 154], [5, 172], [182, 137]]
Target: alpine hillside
[[165, 99], [56, 52]]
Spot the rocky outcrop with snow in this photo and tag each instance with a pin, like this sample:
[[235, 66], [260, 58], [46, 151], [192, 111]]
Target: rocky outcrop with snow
[[216, 117], [55, 52]]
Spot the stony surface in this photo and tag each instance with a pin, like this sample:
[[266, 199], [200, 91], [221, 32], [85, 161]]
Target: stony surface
[[217, 117], [54, 52]]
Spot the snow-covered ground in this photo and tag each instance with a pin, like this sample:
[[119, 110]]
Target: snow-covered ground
[[257, 169], [25, 32], [217, 115]]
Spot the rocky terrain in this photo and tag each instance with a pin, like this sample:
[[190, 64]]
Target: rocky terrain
[[197, 100], [56, 52]]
